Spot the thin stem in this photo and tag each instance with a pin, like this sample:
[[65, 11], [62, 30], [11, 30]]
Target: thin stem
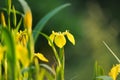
[[5, 63], [53, 48], [62, 59], [9, 9], [111, 51], [56, 55]]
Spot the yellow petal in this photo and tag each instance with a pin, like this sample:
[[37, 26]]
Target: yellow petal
[[60, 40], [1, 52], [22, 55], [70, 38], [3, 20], [22, 38], [52, 36], [28, 20], [41, 57], [27, 16], [114, 72]]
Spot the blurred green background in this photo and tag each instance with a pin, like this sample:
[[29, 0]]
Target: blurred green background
[[91, 22]]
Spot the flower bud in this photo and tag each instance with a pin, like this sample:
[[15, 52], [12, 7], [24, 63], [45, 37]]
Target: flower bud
[[28, 21], [3, 19]]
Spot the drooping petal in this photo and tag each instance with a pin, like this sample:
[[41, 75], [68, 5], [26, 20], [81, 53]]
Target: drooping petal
[[60, 40], [52, 36], [70, 38], [41, 57]]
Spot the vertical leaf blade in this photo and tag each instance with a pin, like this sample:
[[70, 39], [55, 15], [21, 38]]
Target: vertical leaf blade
[[11, 57]]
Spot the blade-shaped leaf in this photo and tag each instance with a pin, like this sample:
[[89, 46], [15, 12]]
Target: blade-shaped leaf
[[11, 57], [105, 77], [48, 68], [44, 20]]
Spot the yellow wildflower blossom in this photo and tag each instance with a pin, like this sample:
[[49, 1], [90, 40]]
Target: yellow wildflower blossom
[[41, 57], [59, 38], [3, 20], [114, 71], [22, 38], [22, 55]]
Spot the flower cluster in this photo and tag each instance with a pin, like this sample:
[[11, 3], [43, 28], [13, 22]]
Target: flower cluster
[[17, 53]]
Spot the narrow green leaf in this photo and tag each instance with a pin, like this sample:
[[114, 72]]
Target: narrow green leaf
[[19, 24], [11, 57], [48, 68], [105, 77], [12, 11], [49, 75], [98, 71], [44, 20], [14, 17]]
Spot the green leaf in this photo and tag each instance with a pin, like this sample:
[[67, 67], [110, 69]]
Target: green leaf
[[14, 17], [12, 11], [98, 71], [44, 20], [59, 75], [105, 77], [11, 57], [48, 68]]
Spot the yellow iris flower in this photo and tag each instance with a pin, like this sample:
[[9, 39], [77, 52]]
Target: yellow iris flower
[[22, 38], [59, 38], [115, 71], [22, 52]]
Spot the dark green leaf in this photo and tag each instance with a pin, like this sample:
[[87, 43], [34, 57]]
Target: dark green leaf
[[44, 20]]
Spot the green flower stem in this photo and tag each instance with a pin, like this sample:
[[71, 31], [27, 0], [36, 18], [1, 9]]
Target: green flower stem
[[5, 64], [62, 59], [30, 47], [56, 55], [36, 69], [14, 17], [53, 48], [9, 10]]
